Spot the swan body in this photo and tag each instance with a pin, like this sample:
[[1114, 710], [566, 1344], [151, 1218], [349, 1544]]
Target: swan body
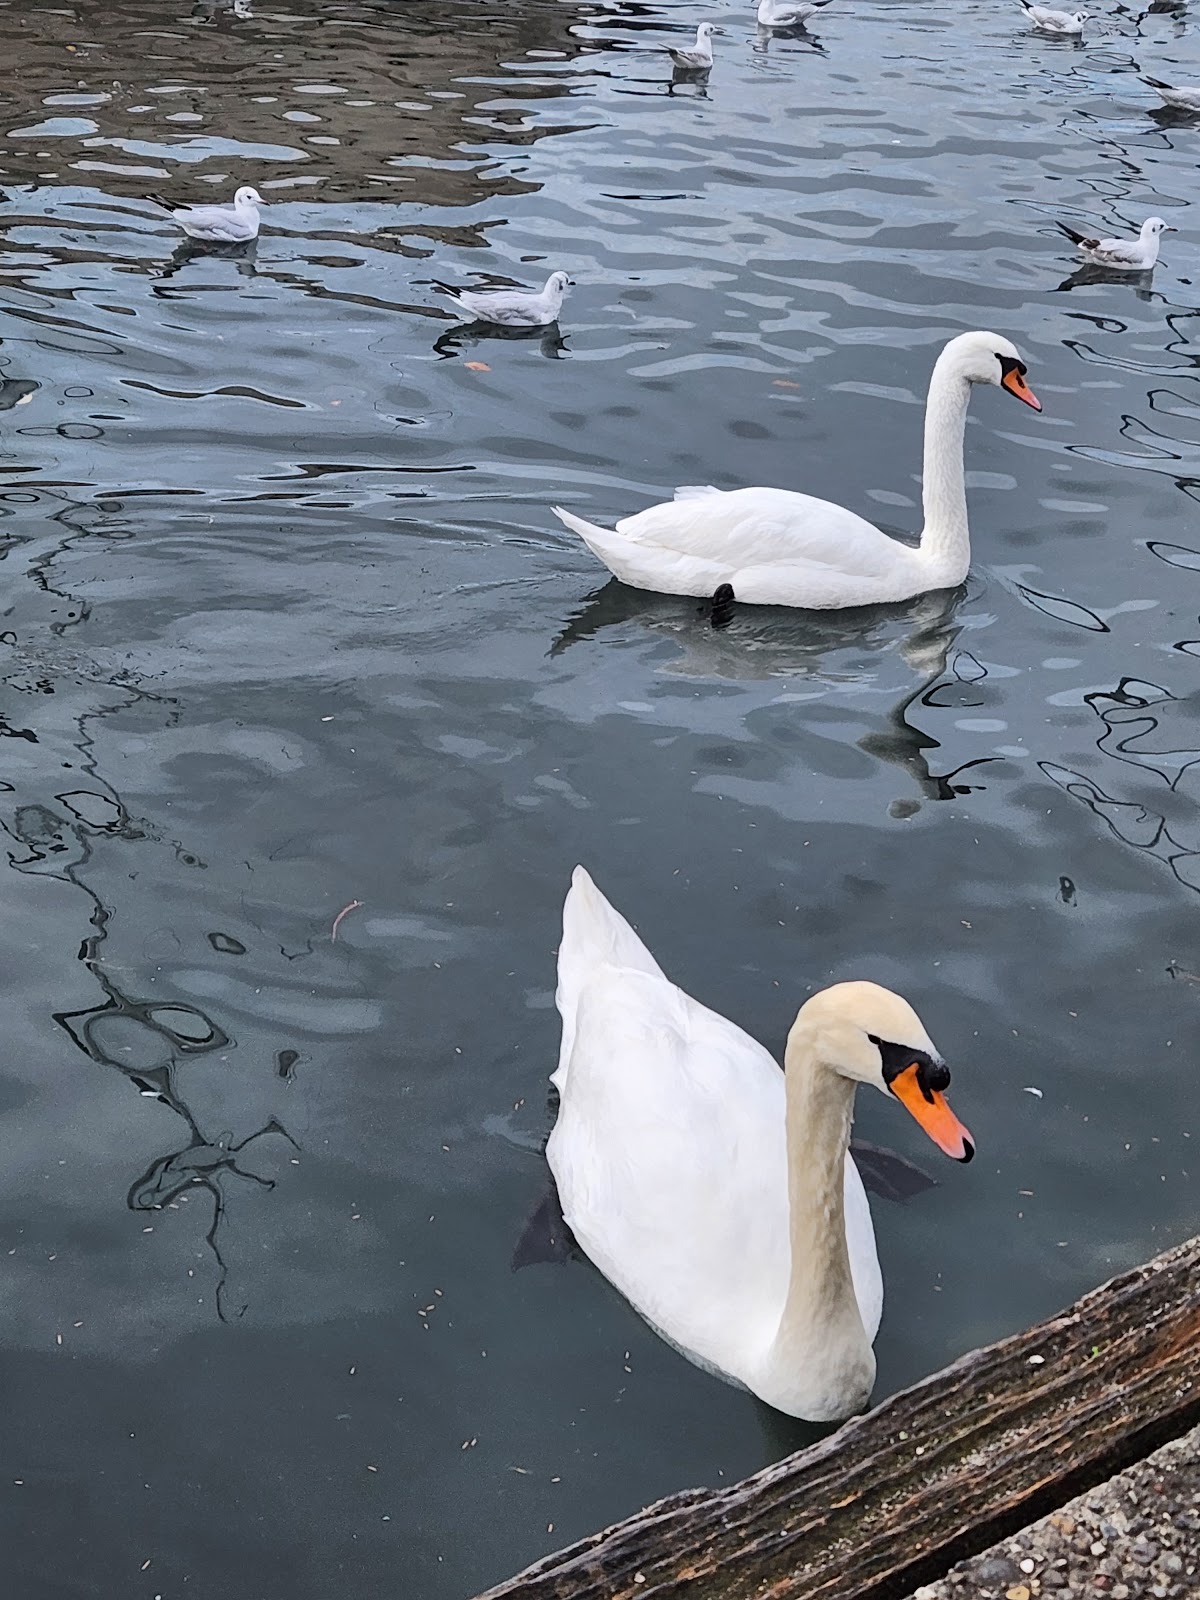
[[218, 224], [1126, 255], [714, 1191], [776, 547], [1066, 23], [514, 308], [1183, 97], [699, 57]]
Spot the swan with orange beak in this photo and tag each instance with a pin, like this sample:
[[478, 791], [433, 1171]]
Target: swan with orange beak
[[715, 1192]]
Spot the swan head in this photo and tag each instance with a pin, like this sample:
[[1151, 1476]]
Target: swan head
[[988, 358], [247, 196], [865, 1032], [1153, 226]]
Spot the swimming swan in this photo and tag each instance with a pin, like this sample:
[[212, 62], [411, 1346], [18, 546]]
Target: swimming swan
[[780, 548], [714, 1191]]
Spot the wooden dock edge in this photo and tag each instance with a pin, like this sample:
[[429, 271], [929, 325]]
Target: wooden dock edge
[[937, 1473]]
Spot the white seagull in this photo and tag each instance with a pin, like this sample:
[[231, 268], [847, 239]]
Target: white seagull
[[786, 14], [1126, 255], [218, 224], [700, 57], [1061, 22], [513, 308], [1184, 97]]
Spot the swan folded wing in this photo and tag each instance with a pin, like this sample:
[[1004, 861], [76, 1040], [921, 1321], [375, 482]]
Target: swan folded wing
[[669, 1154], [761, 527], [594, 935]]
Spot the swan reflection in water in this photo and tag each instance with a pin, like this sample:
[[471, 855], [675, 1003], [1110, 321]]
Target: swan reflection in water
[[757, 643]]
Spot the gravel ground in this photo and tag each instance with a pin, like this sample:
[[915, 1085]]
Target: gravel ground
[[1135, 1536]]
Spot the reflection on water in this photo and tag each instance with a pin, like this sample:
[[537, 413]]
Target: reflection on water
[[288, 628]]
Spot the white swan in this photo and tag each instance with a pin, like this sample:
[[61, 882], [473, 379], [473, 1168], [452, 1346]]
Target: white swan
[[780, 548], [714, 1191]]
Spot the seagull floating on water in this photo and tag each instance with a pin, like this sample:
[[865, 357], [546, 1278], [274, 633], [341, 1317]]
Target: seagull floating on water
[[1126, 255], [1061, 22], [513, 308], [218, 224], [787, 13], [700, 57], [1184, 97]]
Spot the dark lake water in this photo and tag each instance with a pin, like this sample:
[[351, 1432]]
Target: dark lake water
[[287, 624]]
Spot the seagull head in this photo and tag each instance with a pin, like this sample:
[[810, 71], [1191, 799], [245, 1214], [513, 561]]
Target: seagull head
[[1080, 17], [706, 30], [246, 196], [558, 283], [1153, 226]]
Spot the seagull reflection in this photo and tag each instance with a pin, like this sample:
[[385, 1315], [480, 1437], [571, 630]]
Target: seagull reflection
[[1142, 283], [15, 391], [242, 254], [796, 34], [208, 11], [550, 339]]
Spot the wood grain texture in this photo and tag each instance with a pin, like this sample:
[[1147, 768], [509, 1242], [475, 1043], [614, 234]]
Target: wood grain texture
[[936, 1473]]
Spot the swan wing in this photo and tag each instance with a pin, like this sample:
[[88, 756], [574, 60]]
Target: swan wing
[[595, 936], [757, 527], [670, 1159]]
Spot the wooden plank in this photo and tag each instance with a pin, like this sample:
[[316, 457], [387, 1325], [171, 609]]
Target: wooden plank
[[936, 1473]]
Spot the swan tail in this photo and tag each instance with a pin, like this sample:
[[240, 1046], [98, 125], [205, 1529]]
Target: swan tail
[[594, 935], [592, 534], [646, 565]]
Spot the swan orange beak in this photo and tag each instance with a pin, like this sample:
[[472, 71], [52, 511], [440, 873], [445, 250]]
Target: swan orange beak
[[1014, 381], [932, 1110]]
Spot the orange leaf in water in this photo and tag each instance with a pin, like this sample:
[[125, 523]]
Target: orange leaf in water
[[477, 366]]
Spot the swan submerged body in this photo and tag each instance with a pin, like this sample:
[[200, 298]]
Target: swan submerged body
[[777, 547], [715, 1192]]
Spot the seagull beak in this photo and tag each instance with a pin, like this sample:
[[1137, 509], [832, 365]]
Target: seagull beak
[[1015, 384], [932, 1110]]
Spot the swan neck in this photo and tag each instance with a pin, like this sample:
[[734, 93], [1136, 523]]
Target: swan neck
[[821, 1330], [944, 541]]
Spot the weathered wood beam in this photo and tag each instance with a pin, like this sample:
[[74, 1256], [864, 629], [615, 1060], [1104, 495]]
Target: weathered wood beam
[[936, 1473]]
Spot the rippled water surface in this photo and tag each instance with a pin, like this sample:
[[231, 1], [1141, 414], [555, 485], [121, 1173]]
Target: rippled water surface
[[287, 625]]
